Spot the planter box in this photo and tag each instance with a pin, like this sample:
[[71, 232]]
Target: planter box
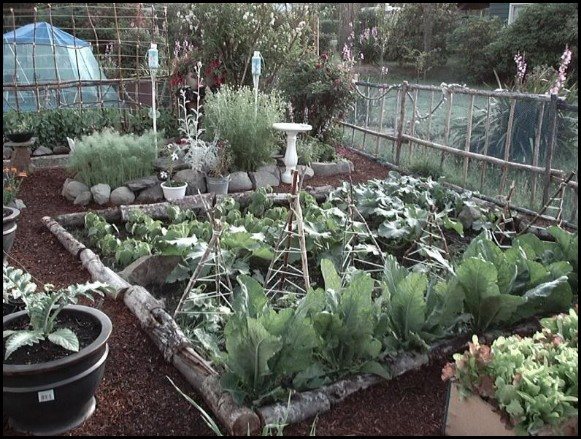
[[472, 416]]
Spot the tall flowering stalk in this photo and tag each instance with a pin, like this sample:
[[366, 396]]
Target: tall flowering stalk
[[561, 76], [521, 68]]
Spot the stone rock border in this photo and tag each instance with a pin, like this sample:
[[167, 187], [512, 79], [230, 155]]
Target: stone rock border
[[176, 348], [148, 189]]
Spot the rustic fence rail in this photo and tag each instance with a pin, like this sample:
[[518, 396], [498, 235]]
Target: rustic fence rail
[[481, 140]]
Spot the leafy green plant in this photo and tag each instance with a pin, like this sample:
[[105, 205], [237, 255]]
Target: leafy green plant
[[113, 158], [232, 116], [10, 185], [43, 309], [311, 149], [319, 91], [534, 380]]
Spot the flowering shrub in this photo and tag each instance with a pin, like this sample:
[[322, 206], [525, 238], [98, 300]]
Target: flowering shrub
[[228, 33], [321, 89], [369, 45]]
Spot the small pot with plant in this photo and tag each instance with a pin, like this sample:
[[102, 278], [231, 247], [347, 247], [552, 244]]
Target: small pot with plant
[[18, 128], [54, 355], [218, 176], [11, 185], [172, 190]]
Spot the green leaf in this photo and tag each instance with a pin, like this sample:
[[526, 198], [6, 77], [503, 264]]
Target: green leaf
[[408, 307], [551, 296], [251, 300], [479, 280], [19, 339], [375, 368], [332, 279], [454, 225], [65, 338]]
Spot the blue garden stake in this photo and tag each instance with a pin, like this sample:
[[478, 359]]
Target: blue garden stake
[[256, 68], [153, 63]]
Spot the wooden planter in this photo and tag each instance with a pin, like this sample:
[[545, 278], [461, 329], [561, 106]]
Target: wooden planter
[[472, 416]]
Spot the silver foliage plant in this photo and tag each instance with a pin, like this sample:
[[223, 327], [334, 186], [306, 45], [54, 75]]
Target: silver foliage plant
[[201, 155]]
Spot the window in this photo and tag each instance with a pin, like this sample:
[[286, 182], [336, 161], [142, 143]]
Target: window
[[514, 9]]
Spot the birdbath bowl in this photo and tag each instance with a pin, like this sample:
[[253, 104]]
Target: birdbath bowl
[[290, 157]]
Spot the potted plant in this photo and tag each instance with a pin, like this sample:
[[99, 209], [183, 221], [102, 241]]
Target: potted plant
[[11, 185], [172, 190], [518, 385], [18, 128], [217, 176], [54, 355]]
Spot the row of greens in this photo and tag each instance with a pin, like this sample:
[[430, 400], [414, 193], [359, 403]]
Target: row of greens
[[352, 321]]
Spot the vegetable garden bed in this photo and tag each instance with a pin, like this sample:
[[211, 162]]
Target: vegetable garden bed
[[418, 344]]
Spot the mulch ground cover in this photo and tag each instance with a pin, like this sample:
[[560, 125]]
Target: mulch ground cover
[[136, 398]]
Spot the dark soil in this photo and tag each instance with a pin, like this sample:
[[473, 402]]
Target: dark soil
[[136, 398], [86, 328]]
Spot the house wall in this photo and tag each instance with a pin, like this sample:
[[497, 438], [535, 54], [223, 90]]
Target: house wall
[[500, 10]]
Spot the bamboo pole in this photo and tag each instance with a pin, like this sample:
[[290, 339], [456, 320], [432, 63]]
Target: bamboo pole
[[122, 91], [507, 145], [447, 126], [553, 115], [56, 70], [79, 88], [413, 127], [536, 151], [468, 140], [381, 115], [432, 93], [400, 123], [364, 147], [37, 88], [99, 87], [15, 61], [486, 142]]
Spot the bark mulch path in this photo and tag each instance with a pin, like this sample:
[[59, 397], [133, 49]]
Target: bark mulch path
[[135, 396]]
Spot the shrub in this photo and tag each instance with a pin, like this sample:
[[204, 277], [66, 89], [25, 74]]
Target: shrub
[[230, 115], [319, 88], [113, 158], [541, 31], [312, 150], [475, 31]]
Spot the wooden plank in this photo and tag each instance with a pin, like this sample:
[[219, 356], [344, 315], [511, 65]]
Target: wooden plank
[[447, 126]]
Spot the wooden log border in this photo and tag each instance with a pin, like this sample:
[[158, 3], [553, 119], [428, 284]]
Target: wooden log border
[[177, 349]]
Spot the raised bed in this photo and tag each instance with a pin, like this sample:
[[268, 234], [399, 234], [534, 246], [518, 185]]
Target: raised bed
[[178, 350]]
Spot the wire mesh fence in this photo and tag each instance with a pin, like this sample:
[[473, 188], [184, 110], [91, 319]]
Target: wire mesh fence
[[477, 139], [83, 55]]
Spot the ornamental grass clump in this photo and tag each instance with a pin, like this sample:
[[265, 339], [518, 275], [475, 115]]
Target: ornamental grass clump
[[232, 116], [113, 158]]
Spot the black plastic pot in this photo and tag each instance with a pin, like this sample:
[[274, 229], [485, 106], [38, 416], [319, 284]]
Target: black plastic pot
[[20, 137], [9, 217], [54, 397]]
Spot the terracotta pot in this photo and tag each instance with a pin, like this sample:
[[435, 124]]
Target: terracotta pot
[[56, 396], [9, 218]]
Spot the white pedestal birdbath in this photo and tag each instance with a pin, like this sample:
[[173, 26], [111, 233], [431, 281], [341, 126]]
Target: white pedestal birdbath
[[290, 157]]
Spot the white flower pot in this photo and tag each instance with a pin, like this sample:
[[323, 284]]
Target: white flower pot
[[172, 193]]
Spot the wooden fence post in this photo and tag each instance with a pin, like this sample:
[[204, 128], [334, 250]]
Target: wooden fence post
[[553, 115], [400, 123]]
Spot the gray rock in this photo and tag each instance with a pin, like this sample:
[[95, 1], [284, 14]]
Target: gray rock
[[67, 181], [195, 180], [162, 164], [150, 269], [308, 171], [326, 169], [239, 182], [271, 169], [6, 153], [468, 215], [61, 149], [142, 183], [19, 204], [42, 150], [83, 198], [122, 195], [264, 179], [73, 189], [101, 193], [151, 194]]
